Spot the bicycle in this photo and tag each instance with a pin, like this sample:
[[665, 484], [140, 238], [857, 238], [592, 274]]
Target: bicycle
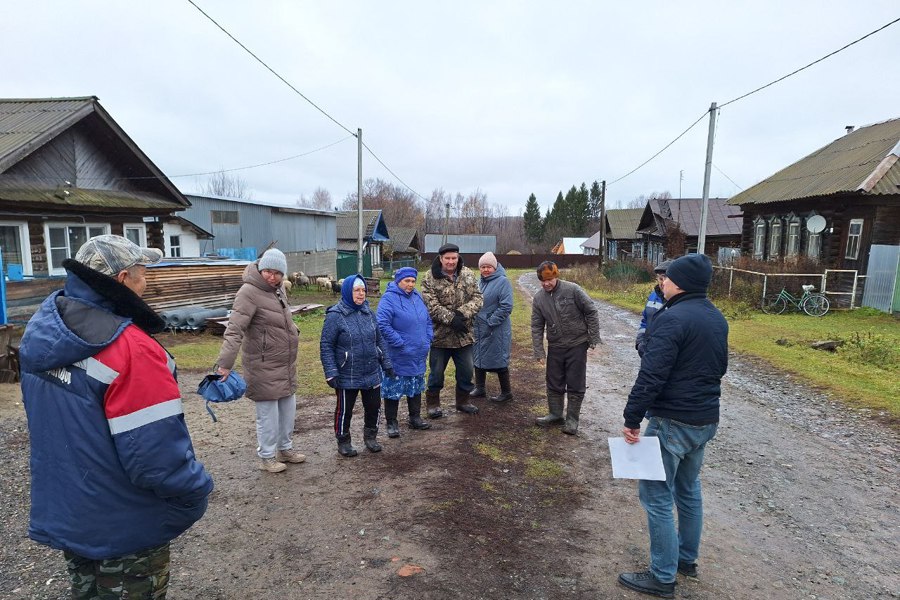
[[813, 303]]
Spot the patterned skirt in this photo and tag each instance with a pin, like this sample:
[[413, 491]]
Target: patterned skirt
[[402, 385]]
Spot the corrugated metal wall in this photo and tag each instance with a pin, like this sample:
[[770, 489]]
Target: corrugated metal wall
[[260, 226], [882, 290]]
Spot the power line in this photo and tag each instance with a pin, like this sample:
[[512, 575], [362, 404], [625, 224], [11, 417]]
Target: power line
[[271, 70], [265, 164], [830, 54], [700, 118], [727, 177], [375, 156]]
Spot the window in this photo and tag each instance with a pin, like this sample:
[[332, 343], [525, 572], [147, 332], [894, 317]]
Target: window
[[136, 234], [759, 239], [65, 240], [175, 246], [853, 235], [793, 236], [814, 245], [775, 238], [613, 249], [13, 242], [225, 217]]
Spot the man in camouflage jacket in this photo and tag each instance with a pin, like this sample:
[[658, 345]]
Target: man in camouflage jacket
[[451, 294]]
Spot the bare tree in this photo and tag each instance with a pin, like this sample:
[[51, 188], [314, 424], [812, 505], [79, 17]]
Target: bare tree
[[321, 199], [399, 206], [434, 211], [226, 185], [475, 216]]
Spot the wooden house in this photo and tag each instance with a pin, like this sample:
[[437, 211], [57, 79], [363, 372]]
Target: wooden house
[[665, 218], [375, 234], [831, 206], [69, 172]]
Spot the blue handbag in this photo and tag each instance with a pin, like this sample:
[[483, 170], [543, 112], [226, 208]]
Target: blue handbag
[[213, 389]]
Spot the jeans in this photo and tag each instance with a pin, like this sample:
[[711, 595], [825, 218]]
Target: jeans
[[682, 448], [462, 360]]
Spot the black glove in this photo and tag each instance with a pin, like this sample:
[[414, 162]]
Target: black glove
[[458, 324], [332, 383], [389, 372]]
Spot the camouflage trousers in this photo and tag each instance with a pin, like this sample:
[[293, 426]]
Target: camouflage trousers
[[140, 576]]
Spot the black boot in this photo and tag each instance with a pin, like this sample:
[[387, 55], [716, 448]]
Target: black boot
[[415, 413], [372, 444], [433, 400], [390, 417], [480, 378], [505, 389], [555, 405], [344, 447], [573, 410], [463, 404]]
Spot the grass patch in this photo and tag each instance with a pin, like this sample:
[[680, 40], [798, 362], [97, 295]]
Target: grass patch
[[541, 468], [864, 371], [494, 453]]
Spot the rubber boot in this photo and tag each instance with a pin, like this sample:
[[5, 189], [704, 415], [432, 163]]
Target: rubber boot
[[480, 378], [555, 404], [505, 394], [415, 413], [463, 404], [390, 417], [572, 412], [372, 444], [433, 401], [344, 446]]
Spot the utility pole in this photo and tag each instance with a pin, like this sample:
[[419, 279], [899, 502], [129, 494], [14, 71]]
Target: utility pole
[[359, 204], [602, 223], [680, 179], [704, 212], [446, 221]]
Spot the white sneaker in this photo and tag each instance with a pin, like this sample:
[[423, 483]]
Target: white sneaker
[[271, 465], [290, 456]]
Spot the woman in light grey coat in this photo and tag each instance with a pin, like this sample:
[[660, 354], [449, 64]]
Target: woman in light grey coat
[[493, 329]]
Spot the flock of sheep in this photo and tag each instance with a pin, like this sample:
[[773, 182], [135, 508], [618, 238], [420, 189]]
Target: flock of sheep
[[325, 283]]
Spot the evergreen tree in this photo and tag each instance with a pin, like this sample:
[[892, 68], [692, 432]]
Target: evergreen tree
[[594, 205], [579, 211], [534, 225]]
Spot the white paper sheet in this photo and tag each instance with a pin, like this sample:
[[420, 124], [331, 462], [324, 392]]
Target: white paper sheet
[[637, 461]]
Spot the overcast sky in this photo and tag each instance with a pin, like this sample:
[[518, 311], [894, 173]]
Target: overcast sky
[[512, 98]]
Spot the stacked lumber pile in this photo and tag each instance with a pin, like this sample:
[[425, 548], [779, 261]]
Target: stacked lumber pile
[[209, 285]]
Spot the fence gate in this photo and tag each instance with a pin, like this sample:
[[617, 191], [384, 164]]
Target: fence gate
[[882, 290]]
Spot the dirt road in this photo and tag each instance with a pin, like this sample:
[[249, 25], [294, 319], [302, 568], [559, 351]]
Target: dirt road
[[801, 500]]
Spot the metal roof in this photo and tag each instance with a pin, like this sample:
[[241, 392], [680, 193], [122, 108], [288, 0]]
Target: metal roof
[[623, 223], [468, 243], [348, 224], [861, 162], [661, 214], [402, 238]]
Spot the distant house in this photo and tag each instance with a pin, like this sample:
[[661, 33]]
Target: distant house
[[468, 244], [569, 245], [375, 233], [621, 234], [663, 217], [404, 243], [68, 172], [245, 228], [184, 239], [831, 206]]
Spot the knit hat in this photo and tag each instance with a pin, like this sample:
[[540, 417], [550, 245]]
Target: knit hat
[[110, 254], [547, 270], [487, 258], [448, 248], [405, 272], [662, 267], [692, 273], [274, 260]]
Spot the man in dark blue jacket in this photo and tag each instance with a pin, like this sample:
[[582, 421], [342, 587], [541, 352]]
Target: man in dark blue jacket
[[113, 473], [677, 388]]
